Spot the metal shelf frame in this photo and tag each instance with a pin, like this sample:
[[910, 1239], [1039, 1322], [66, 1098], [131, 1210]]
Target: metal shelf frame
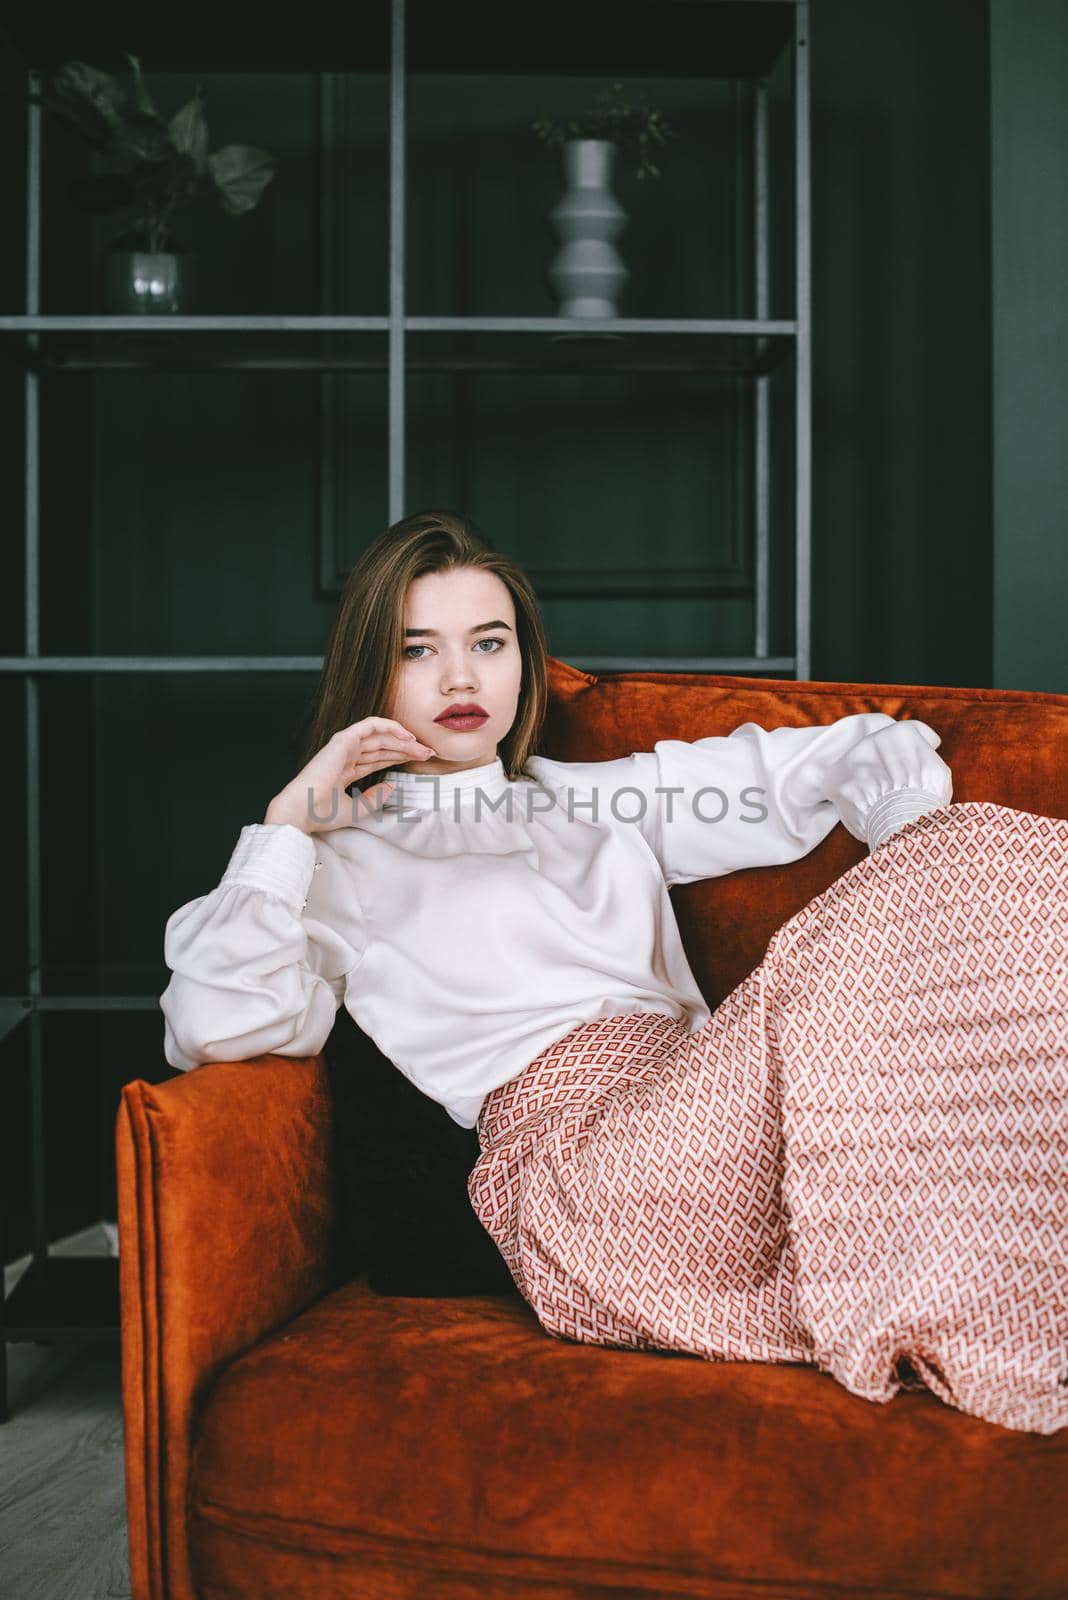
[[23, 335], [529, 345]]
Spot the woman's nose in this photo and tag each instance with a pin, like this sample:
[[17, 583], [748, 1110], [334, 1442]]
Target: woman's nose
[[458, 675]]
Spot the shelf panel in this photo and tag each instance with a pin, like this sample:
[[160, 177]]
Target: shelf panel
[[194, 345], [99, 664], [647, 38], [68, 1297], [614, 348], [81, 985], [432, 344], [93, 664], [77, 1002]]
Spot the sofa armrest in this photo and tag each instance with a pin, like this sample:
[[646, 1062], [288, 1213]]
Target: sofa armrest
[[227, 1229]]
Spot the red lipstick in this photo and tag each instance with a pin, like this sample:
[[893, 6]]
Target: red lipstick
[[462, 717]]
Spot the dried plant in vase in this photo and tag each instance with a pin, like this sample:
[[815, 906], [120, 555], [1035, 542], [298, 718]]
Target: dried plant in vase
[[587, 272]]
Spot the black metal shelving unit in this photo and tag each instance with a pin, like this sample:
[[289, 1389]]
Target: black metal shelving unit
[[77, 1298]]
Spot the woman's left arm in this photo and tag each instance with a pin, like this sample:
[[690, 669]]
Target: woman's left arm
[[761, 797]]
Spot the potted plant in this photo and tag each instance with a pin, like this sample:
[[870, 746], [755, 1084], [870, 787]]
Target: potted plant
[[148, 169], [587, 272]]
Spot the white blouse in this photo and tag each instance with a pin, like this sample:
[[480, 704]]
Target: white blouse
[[470, 921]]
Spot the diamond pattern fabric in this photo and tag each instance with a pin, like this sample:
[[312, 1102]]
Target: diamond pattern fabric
[[859, 1163]]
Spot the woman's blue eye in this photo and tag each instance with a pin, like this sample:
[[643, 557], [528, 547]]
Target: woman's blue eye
[[407, 657]]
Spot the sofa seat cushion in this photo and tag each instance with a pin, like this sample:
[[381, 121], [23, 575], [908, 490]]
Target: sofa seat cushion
[[382, 1447]]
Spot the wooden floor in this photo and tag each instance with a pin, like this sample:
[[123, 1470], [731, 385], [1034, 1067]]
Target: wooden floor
[[62, 1496]]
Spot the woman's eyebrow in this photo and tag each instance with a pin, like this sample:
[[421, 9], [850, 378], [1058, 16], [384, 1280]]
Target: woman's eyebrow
[[433, 632]]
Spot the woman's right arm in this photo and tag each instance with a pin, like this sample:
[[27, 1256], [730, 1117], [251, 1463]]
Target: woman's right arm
[[259, 965]]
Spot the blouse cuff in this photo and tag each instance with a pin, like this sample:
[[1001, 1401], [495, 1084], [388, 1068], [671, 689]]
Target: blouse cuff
[[274, 857], [892, 811]]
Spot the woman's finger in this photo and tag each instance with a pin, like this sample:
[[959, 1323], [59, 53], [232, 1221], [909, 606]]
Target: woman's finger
[[403, 748], [379, 725], [372, 760]]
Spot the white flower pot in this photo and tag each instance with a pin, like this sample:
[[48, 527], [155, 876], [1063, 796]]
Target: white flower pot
[[150, 282]]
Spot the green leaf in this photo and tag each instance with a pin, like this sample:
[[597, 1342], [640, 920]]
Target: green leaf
[[189, 131], [241, 173], [141, 94], [141, 139], [79, 116], [80, 84]]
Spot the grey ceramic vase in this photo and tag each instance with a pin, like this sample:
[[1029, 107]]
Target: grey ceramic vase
[[587, 272], [154, 282]]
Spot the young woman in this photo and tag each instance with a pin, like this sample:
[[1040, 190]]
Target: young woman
[[858, 1162]]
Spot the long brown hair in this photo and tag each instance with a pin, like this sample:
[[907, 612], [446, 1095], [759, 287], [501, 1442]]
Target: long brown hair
[[364, 649]]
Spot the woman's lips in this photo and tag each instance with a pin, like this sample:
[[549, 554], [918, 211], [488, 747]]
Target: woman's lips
[[461, 724]]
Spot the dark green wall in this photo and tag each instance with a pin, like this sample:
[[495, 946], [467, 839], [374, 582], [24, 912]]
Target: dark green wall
[[1029, 123], [901, 344]]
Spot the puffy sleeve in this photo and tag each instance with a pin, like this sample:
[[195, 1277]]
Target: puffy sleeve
[[259, 964], [887, 779], [752, 798]]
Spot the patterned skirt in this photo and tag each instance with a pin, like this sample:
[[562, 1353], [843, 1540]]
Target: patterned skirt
[[860, 1163]]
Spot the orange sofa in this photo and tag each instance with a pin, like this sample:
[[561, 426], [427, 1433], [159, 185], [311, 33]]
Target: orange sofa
[[290, 1433]]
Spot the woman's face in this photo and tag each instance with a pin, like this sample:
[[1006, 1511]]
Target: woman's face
[[450, 657]]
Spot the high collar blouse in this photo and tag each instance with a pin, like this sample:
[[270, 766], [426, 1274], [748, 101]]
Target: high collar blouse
[[472, 920]]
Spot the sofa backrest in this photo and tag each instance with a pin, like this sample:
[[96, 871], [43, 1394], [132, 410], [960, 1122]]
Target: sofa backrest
[[1004, 745]]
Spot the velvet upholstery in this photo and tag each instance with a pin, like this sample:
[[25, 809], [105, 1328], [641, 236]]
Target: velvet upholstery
[[291, 1433], [226, 1232]]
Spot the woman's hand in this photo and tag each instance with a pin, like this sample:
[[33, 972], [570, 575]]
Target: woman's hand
[[316, 802]]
